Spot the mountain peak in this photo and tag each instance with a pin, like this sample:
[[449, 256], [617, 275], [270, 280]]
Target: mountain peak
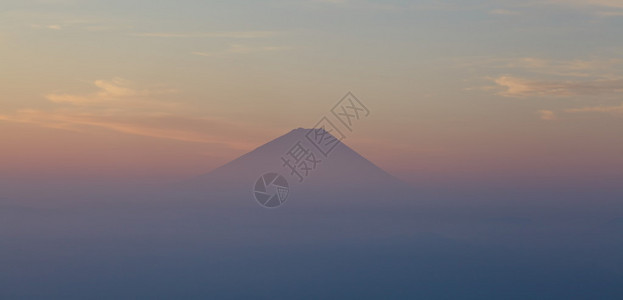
[[342, 169]]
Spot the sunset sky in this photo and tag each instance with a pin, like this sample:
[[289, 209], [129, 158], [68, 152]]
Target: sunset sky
[[460, 92]]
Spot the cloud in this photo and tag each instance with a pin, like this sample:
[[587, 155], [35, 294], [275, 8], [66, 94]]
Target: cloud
[[57, 1], [602, 8], [555, 78], [519, 87], [596, 3], [604, 68], [230, 34], [242, 49], [116, 88], [53, 26], [574, 68], [597, 109], [533, 76], [514, 86], [504, 12], [115, 92], [63, 22], [332, 1], [547, 115], [117, 106], [382, 6], [610, 13], [171, 127]]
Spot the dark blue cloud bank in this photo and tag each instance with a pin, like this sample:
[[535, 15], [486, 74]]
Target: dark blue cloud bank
[[436, 245], [351, 232]]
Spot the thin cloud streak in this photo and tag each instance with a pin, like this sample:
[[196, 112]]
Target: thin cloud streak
[[547, 115], [242, 49], [118, 107], [554, 78], [596, 3], [163, 127], [503, 12], [603, 68], [117, 94], [230, 34], [597, 109], [520, 87]]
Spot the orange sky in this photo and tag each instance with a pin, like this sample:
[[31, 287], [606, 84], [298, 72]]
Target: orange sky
[[459, 93]]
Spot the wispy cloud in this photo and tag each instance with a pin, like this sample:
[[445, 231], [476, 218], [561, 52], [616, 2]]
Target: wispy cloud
[[519, 87], [611, 13], [243, 49], [597, 109], [503, 12], [595, 67], [598, 67], [331, 1], [53, 26], [617, 110], [117, 92], [117, 106], [63, 22], [598, 3], [603, 8], [385, 6], [557, 78], [226, 34], [171, 127], [547, 115]]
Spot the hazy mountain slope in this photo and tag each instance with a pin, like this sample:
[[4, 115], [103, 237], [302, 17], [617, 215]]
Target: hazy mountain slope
[[342, 173]]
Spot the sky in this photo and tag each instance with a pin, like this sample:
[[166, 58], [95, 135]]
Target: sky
[[459, 92], [506, 116]]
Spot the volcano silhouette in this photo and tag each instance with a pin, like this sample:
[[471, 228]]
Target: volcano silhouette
[[341, 173]]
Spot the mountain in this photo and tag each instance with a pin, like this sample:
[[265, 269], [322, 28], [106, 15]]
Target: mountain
[[341, 173]]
